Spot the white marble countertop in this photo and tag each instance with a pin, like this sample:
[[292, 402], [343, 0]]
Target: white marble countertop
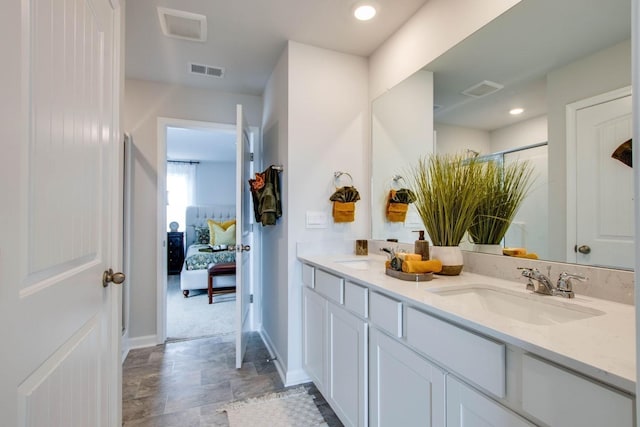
[[601, 347]]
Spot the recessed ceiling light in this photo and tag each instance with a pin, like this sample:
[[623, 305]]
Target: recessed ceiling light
[[364, 11], [516, 111]]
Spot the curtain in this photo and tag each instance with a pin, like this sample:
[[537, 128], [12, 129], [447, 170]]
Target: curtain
[[181, 190]]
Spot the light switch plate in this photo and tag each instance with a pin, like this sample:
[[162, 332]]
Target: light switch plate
[[316, 219]]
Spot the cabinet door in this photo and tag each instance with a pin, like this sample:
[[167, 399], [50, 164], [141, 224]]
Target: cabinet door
[[405, 389], [470, 408], [314, 317], [347, 366]]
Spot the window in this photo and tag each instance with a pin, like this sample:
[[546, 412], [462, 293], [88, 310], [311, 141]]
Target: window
[[181, 186]]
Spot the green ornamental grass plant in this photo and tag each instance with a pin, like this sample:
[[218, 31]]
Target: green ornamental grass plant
[[503, 188], [447, 190]]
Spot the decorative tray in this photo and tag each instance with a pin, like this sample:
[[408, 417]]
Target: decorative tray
[[409, 277]]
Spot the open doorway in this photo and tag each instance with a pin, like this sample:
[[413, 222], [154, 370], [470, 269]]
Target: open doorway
[[200, 164]]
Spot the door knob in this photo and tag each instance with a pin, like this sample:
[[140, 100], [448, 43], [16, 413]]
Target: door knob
[[109, 276], [243, 248], [584, 249]]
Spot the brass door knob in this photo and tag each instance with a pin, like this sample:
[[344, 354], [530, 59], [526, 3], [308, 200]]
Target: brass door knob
[[584, 249], [110, 277]]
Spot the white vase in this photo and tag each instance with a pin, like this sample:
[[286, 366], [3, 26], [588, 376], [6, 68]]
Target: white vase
[[487, 249], [451, 258]]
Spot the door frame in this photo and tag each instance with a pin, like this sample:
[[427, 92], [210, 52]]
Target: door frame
[[571, 164], [161, 213]]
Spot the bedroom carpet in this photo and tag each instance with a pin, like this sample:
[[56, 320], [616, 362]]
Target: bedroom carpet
[[193, 317]]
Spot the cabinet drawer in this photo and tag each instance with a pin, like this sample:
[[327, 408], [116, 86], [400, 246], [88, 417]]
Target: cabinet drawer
[[356, 299], [476, 358], [330, 286], [386, 313], [307, 275], [559, 397]]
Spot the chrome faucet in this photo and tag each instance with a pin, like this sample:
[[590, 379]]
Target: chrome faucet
[[541, 284], [537, 282], [565, 286]]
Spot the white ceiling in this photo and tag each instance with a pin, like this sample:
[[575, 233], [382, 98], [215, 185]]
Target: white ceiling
[[246, 37], [201, 144], [517, 50]]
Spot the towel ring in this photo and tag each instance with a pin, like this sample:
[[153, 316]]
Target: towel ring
[[337, 175], [396, 182]]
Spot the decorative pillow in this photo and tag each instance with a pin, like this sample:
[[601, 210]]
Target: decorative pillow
[[202, 235], [224, 224], [220, 236]]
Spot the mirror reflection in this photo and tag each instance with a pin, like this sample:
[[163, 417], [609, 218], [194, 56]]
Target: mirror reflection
[[567, 65]]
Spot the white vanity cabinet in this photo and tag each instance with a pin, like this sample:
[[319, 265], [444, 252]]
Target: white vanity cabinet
[[381, 359], [335, 344], [347, 367], [467, 407], [314, 319], [405, 389]]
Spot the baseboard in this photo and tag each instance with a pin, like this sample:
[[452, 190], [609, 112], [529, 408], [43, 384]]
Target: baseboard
[[277, 360], [288, 378], [296, 377], [142, 342]]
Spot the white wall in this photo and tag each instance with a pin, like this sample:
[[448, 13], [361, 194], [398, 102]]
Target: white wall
[[434, 29], [215, 183], [521, 134], [328, 131], [457, 139], [402, 132], [602, 72], [274, 251], [317, 115], [144, 102]]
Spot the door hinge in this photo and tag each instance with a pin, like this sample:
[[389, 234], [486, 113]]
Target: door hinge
[[251, 299], [251, 156]]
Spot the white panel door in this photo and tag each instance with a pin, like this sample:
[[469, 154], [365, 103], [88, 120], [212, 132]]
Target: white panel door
[[244, 236], [604, 186], [59, 166]]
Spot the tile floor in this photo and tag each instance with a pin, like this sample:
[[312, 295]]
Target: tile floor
[[183, 383]]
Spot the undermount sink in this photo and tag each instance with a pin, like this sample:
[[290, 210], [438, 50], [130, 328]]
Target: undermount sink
[[356, 264], [523, 307]]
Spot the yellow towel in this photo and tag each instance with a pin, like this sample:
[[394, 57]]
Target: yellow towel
[[344, 211], [531, 255], [409, 257], [514, 251], [431, 266]]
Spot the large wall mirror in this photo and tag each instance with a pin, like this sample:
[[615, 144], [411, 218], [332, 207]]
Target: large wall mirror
[[567, 64]]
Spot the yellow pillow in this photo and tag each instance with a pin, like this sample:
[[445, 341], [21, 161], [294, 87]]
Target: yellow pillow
[[220, 236], [224, 225]]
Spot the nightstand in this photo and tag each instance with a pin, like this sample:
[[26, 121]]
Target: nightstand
[[175, 252]]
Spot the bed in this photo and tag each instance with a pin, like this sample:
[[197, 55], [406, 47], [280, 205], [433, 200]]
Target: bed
[[194, 273]]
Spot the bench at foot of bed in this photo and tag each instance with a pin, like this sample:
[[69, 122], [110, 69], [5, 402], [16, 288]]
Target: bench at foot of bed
[[221, 269]]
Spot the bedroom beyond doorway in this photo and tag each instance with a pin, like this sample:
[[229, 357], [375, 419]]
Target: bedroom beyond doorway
[[193, 317], [200, 171]]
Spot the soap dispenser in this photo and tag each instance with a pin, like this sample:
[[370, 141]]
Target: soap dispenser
[[421, 246]]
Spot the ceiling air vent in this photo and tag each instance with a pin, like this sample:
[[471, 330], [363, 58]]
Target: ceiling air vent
[[482, 89], [183, 25], [206, 70]]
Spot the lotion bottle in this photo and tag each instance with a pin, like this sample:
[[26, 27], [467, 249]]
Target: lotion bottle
[[421, 246]]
